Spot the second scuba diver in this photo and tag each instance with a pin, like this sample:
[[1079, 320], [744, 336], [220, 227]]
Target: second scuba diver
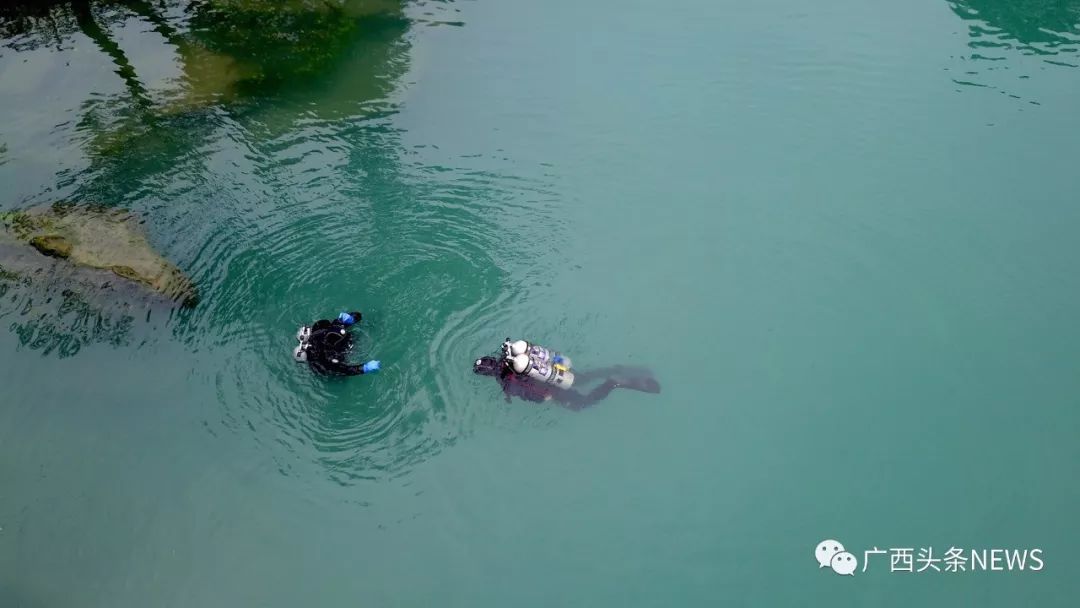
[[326, 344], [534, 373]]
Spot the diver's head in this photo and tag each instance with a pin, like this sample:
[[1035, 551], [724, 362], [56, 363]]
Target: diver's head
[[486, 366], [348, 318]]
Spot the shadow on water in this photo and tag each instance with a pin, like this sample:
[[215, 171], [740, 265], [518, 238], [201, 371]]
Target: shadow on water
[[270, 169], [1000, 30]]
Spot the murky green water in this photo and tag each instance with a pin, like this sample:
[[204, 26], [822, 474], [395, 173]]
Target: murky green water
[[843, 236]]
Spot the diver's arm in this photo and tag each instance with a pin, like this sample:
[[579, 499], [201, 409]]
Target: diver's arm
[[333, 365], [356, 370], [330, 366]]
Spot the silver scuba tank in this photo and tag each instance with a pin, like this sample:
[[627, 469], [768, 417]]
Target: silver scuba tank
[[544, 365], [544, 356], [551, 374], [300, 352]]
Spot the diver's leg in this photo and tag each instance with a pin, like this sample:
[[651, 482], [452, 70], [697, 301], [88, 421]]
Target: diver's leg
[[646, 384], [577, 401]]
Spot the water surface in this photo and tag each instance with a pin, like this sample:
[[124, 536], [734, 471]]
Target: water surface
[[843, 237]]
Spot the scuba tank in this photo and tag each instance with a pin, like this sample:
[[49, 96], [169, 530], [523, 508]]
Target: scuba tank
[[539, 363], [300, 352], [538, 354]]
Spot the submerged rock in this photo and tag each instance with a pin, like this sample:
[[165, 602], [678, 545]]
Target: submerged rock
[[52, 245], [100, 238]]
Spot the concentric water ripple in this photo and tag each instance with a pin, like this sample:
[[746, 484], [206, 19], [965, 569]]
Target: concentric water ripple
[[427, 260], [286, 205], [296, 203]]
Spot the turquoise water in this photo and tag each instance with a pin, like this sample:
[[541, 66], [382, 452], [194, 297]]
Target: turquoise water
[[843, 237]]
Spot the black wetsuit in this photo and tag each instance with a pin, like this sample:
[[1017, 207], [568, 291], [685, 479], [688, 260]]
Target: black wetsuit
[[328, 346], [519, 385]]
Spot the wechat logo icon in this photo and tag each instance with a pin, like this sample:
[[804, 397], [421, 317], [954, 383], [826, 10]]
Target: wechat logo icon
[[831, 554]]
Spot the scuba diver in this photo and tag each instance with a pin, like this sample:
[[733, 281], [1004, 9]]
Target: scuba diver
[[537, 374], [326, 344]]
